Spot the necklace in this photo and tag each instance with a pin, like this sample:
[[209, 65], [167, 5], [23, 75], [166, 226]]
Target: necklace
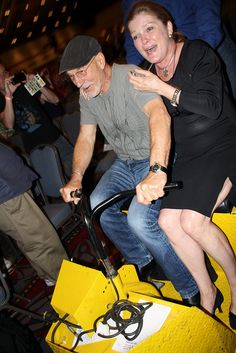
[[165, 70]]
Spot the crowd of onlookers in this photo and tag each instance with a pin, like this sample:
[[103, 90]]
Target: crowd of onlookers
[[32, 110], [28, 120]]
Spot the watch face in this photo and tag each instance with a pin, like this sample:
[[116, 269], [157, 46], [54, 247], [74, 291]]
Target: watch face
[[155, 168]]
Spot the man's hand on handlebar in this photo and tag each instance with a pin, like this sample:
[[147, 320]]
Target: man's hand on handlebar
[[68, 189], [151, 188]]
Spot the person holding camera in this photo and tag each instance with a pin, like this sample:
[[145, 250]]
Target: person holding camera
[[25, 112]]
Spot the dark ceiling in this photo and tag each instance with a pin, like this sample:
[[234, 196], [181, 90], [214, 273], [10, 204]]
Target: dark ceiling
[[22, 20]]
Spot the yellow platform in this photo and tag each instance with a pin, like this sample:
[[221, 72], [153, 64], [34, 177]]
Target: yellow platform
[[83, 294]]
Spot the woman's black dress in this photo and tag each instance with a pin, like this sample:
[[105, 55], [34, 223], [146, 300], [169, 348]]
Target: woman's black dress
[[204, 128]]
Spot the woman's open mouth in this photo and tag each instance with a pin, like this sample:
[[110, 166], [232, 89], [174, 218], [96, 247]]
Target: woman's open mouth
[[151, 49]]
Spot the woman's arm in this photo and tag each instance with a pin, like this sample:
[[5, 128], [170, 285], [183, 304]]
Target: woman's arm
[[200, 82]]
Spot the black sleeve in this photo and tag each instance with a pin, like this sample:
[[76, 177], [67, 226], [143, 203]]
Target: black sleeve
[[204, 93]]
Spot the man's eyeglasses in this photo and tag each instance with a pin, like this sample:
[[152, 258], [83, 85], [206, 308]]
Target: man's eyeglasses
[[80, 73]]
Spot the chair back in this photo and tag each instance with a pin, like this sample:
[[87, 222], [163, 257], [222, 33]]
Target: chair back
[[46, 162], [70, 125]]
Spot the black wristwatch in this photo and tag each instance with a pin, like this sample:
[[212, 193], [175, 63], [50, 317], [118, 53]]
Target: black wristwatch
[[157, 167]]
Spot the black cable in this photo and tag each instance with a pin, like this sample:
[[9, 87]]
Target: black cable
[[115, 288], [63, 321], [136, 313], [68, 323], [79, 338], [53, 317], [56, 328]]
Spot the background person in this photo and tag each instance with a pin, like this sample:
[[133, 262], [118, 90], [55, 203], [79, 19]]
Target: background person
[[188, 76], [26, 114], [22, 219]]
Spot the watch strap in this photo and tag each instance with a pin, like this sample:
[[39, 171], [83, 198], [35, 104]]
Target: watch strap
[[156, 167]]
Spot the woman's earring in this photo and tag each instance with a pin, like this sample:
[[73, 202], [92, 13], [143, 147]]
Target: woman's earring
[[170, 35]]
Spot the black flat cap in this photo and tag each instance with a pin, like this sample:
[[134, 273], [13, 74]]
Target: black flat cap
[[78, 52]]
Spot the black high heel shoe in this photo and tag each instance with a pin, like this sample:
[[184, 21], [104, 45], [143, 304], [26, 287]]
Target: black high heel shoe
[[218, 301], [232, 320]]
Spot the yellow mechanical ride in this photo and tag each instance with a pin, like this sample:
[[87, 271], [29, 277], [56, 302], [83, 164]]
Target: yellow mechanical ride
[[114, 311]]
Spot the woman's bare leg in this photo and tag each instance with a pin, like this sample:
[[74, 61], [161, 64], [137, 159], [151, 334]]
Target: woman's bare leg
[[190, 253], [191, 232], [213, 241]]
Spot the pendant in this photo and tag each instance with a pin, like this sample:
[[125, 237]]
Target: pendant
[[165, 72]]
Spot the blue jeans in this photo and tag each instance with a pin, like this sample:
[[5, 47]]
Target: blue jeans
[[138, 235]]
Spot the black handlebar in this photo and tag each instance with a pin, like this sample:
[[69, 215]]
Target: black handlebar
[[89, 215], [121, 195], [168, 187]]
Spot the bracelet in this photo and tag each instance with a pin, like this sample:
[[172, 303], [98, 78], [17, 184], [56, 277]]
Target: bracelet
[[8, 98], [175, 95]]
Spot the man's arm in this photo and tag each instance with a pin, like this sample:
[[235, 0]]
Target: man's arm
[[47, 95], [7, 116], [83, 152], [151, 187]]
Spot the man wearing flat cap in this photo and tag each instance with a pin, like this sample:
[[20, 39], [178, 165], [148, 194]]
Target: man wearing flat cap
[[131, 121]]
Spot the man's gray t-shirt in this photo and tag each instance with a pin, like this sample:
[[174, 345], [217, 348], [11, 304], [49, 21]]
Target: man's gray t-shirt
[[120, 115]]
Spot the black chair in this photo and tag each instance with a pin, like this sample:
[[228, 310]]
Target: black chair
[[46, 162], [70, 124]]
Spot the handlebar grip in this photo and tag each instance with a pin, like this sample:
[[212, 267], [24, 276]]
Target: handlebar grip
[[76, 193], [173, 185]]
